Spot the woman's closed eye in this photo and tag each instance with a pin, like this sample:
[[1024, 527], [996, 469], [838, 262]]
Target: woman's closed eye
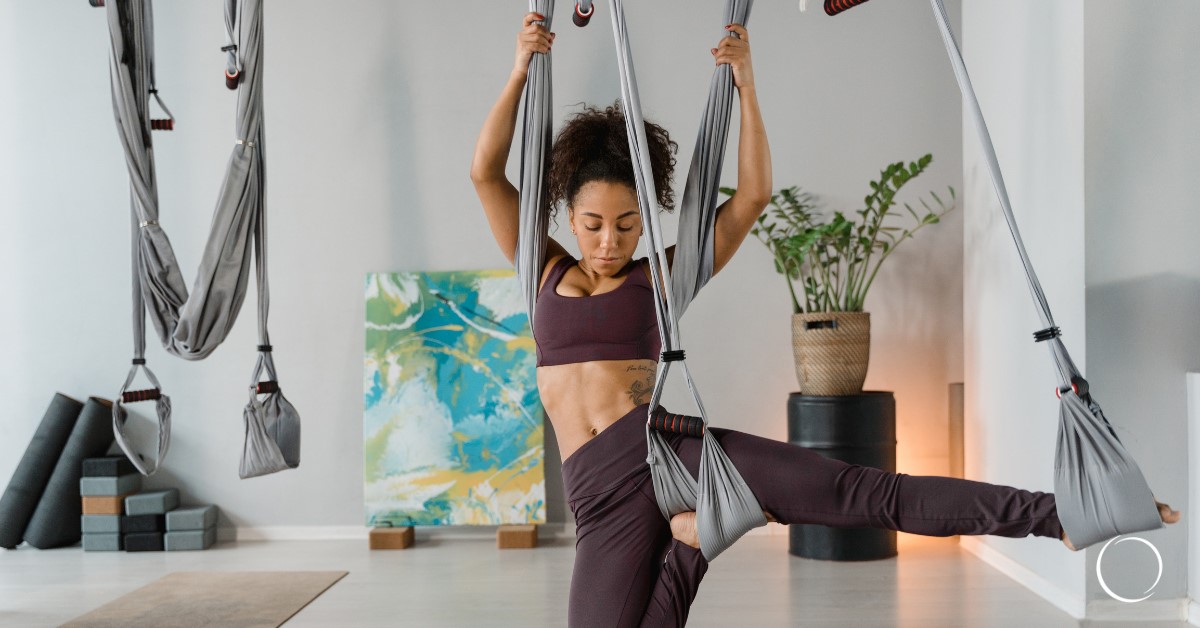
[[619, 228]]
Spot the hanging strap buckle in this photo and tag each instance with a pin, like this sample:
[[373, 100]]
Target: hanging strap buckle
[[673, 356], [1046, 334]]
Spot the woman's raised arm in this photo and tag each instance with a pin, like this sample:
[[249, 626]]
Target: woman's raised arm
[[497, 194], [736, 216]]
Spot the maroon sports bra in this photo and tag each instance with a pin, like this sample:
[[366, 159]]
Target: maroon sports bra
[[616, 325]]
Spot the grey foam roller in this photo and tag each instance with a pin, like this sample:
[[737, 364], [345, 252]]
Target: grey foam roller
[[33, 472], [189, 540], [101, 524], [102, 543], [195, 518], [56, 521], [152, 502], [109, 486]]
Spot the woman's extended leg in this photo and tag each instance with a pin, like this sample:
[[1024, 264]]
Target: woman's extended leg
[[798, 485]]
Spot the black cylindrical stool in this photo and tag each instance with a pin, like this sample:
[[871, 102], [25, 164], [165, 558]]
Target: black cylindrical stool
[[858, 429]]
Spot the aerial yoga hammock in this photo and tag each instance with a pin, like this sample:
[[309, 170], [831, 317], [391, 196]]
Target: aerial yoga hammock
[[1099, 490], [192, 327], [725, 507]]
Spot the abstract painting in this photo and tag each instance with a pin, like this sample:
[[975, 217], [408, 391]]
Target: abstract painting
[[452, 422]]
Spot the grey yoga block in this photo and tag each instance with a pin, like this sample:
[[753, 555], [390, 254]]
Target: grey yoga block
[[196, 518], [33, 472], [56, 521], [189, 540], [143, 523], [144, 542], [108, 466], [152, 502], [109, 486], [101, 524], [102, 543]]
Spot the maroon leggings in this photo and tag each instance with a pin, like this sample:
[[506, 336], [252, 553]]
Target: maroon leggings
[[630, 572]]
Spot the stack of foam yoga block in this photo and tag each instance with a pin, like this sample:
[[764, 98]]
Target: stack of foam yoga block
[[154, 521], [146, 519], [105, 484], [41, 505], [191, 528]]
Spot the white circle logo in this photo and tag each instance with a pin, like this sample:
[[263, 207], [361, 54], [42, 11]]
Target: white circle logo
[[1100, 576]]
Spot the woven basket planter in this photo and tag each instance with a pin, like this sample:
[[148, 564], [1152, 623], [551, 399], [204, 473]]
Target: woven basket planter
[[831, 350]]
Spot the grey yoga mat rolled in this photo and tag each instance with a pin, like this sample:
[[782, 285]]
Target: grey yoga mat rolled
[[56, 520], [33, 472]]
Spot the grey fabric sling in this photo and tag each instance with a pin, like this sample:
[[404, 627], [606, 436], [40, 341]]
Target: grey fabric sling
[[725, 507], [1099, 490], [192, 327]]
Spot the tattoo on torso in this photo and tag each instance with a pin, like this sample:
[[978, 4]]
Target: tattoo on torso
[[640, 390]]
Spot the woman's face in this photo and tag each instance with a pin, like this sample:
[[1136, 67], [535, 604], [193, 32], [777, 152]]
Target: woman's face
[[606, 222]]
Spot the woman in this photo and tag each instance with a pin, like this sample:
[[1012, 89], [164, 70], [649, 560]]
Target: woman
[[598, 345]]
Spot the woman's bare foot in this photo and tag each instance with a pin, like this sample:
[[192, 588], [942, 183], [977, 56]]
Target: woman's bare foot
[[683, 528], [1168, 515], [1165, 512]]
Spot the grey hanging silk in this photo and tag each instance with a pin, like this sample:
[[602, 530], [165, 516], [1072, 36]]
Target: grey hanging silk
[[725, 507], [534, 226], [191, 327], [1099, 490]]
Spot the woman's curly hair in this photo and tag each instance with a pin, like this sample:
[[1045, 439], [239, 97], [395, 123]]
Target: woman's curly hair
[[593, 146]]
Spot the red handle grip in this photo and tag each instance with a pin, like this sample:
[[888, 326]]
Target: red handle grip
[[833, 7], [664, 421], [134, 396], [581, 19]]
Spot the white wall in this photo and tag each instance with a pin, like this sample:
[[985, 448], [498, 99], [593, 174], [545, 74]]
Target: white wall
[[372, 112], [1143, 267], [1193, 511], [1026, 62]]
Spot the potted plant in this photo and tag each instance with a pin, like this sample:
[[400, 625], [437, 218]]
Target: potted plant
[[834, 261]]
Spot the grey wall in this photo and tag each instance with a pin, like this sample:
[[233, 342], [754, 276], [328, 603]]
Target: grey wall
[[1143, 267], [372, 112], [1026, 62], [1092, 110]]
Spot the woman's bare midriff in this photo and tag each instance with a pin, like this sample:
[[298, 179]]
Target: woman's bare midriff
[[583, 399]]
